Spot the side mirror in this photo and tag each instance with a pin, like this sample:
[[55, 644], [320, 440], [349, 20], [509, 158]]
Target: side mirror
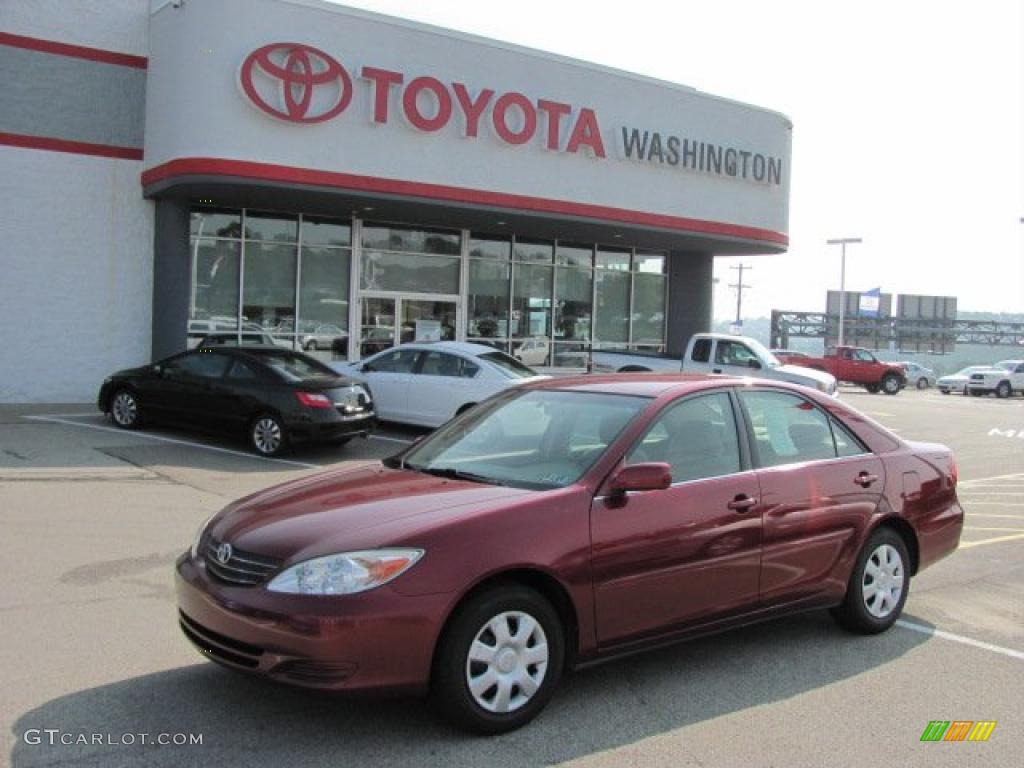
[[653, 476], [755, 364]]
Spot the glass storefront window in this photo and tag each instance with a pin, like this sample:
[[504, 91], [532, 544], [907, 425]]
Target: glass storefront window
[[268, 288], [427, 321], [484, 247], [324, 300], [271, 227], [613, 258], [574, 256], [540, 251], [649, 311], [215, 272], [531, 301], [612, 310], [647, 261], [320, 231], [573, 303], [488, 299], [411, 274], [215, 222], [392, 238]]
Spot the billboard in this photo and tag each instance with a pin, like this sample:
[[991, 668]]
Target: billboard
[[926, 323]]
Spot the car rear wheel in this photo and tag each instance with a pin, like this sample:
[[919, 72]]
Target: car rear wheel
[[922, 383], [311, 346], [944, 391], [878, 585], [890, 384], [125, 410], [872, 388], [976, 393], [267, 435], [499, 660], [1004, 389]]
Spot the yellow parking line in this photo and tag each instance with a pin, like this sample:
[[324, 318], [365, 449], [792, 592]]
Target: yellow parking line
[[974, 503], [996, 540], [989, 514]]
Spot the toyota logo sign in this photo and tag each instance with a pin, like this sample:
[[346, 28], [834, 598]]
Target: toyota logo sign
[[295, 82], [224, 553]]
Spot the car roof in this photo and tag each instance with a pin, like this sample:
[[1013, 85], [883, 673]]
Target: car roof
[[458, 347], [651, 384]]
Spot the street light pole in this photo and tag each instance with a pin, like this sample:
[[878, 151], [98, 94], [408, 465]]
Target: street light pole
[[841, 242]]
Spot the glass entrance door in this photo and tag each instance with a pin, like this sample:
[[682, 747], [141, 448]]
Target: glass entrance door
[[386, 321]]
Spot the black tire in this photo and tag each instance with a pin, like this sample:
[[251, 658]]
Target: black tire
[[872, 388], [922, 383], [267, 435], [944, 391], [1004, 390], [453, 667], [311, 346], [633, 369], [890, 384], [855, 614], [125, 410], [976, 392]]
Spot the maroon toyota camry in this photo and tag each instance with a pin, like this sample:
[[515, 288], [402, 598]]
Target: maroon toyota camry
[[563, 522]]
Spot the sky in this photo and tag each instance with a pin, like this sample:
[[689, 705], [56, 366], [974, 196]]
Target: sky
[[908, 126]]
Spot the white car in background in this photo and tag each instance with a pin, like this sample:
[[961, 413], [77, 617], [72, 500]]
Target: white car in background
[[957, 382], [1002, 379], [427, 383], [917, 375]]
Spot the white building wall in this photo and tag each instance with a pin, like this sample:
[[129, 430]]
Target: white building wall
[[76, 236]]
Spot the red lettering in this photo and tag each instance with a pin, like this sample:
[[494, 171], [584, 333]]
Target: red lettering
[[556, 110], [410, 102], [500, 118], [382, 80], [472, 109], [586, 133]]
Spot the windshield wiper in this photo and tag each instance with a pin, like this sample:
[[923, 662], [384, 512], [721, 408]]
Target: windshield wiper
[[457, 474]]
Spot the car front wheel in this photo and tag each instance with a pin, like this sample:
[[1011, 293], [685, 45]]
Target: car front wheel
[[890, 384], [878, 585], [1004, 389], [922, 383], [500, 660], [267, 435], [125, 410]]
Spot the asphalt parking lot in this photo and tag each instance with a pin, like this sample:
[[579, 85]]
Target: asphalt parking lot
[[93, 518]]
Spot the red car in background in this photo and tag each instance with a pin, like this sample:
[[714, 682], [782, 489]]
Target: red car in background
[[854, 365], [566, 521]]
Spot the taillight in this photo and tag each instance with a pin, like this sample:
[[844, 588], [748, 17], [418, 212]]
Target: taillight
[[954, 472], [314, 400]]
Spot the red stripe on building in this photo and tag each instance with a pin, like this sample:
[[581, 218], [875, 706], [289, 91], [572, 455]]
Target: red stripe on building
[[75, 147], [74, 51], [202, 166]]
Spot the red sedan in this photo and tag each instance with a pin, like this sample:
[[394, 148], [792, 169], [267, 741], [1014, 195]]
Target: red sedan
[[566, 521]]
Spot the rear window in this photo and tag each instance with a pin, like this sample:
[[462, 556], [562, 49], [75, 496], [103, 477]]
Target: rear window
[[508, 365], [701, 351], [293, 366]]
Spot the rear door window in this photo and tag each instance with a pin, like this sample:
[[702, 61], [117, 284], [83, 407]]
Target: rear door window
[[787, 429]]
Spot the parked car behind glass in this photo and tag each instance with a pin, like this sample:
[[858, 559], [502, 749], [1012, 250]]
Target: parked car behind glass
[[562, 522], [426, 383], [275, 396]]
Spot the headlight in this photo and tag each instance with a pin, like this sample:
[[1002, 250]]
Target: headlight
[[199, 536], [346, 573]]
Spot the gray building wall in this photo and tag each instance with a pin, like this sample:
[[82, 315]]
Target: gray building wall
[[690, 297], [171, 277]]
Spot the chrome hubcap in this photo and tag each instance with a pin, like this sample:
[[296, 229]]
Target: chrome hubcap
[[124, 409], [883, 581], [266, 434], [507, 662]]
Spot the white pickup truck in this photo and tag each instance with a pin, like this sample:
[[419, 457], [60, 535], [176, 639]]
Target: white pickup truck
[[1003, 379], [718, 353]]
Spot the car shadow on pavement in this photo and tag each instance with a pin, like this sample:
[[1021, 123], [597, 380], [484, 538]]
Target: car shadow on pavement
[[244, 719]]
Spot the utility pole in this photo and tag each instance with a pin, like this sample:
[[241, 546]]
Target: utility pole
[[842, 243], [739, 286]]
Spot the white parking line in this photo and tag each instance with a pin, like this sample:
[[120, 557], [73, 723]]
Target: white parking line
[[989, 514], [173, 441], [960, 639], [982, 480]]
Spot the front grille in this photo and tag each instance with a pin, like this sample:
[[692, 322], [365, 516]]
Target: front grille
[[218, 646], [243, 569]]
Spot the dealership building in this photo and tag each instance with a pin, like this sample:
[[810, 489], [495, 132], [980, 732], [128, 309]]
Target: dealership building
[[343, 181]]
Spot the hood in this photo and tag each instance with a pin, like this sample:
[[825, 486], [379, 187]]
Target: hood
[[796, 374], [352, 509]]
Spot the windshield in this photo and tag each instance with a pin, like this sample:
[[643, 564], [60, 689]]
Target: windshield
[[293, 366], [538, 439], [508, 365], [763, 352], [1006, 365]]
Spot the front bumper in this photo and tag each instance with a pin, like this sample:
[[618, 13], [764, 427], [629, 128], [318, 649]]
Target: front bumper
[[377, 640]]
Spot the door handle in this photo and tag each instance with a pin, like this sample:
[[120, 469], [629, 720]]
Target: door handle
[[865, 479], [742, 503]]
